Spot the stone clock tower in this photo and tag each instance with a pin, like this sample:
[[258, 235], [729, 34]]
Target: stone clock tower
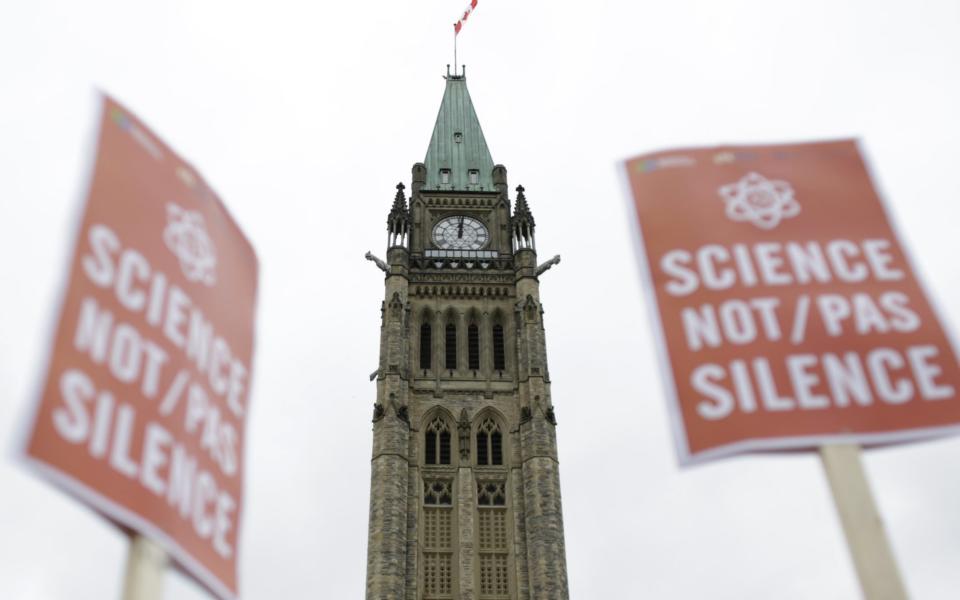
[[465, 485]]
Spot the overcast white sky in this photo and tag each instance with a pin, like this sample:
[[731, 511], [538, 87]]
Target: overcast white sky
[[305, 115]]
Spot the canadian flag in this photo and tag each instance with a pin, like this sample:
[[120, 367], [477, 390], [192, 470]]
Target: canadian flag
[[459, 24]]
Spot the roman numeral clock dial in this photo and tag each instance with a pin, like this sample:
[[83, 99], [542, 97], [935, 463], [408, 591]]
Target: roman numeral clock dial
[[460, 233]]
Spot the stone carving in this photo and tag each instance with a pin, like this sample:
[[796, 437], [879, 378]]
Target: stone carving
[[543, 268], [378, 411], [452, 291], [396, 305], [380, 264], [551, 417], [530, 309], [463, 427], [525, 414], [462, 277]]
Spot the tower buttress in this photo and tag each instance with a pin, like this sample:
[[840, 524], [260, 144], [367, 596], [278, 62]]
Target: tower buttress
[[546, 553], [387, 547]]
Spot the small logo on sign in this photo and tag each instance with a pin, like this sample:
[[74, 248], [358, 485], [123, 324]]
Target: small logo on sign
[[125, 123], [186, 236], [761, 201], [665, 162]]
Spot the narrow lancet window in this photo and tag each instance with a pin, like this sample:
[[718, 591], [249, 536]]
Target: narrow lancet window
[[473, 346], [445, 448], [426, 339], [451, 349], [489, 443], [430, 447], [499, 356], [483, 456], [436, 443], [496, 448]]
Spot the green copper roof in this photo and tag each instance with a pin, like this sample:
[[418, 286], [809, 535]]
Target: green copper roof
[[457, 143]]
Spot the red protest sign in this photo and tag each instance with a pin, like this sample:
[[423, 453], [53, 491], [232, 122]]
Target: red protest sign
[[142, 409], [786, 307]]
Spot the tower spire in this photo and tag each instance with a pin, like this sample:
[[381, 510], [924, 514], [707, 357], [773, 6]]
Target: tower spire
[[458, 157], [398, 221], [523, 223]]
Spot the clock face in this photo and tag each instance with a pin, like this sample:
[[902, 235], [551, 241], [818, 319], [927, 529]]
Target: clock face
[[460, 233]]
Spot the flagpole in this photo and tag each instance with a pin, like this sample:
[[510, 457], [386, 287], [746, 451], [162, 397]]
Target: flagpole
[[456, 30]]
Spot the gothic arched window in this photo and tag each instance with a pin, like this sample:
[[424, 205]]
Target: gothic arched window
[[489, 443], [451, 347], [473, 347], [499, 353], [426, 339], [436, 447]]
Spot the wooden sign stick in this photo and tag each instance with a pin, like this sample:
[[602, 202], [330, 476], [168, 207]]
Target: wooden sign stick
[[866, 537], [146, 563]]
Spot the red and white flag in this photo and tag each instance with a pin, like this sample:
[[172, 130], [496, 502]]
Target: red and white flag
[[459, 24]]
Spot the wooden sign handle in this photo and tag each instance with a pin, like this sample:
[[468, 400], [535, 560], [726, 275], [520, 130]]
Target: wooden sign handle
[[862, 525], [146, 563]]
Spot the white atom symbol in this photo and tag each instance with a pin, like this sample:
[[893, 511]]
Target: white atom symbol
[[764, 202], [187, 238]]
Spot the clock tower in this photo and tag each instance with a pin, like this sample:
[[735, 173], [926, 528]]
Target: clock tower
[[465, 486]]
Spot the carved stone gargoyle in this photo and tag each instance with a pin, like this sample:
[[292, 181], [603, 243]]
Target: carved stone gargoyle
[[551, 416], [525, 414], [380, 264], [544, 267]]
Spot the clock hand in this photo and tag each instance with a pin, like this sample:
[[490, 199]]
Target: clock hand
[[460, 228]]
